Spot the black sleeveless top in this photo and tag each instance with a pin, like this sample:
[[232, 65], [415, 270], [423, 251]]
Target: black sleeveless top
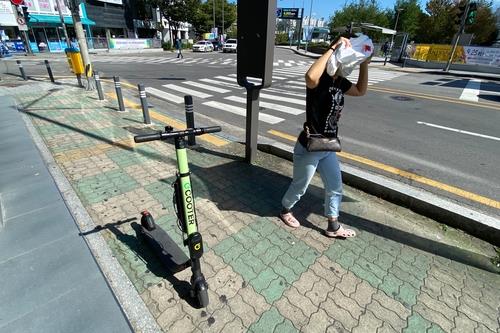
[[324, 105]]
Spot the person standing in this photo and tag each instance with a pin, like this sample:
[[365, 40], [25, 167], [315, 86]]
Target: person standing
[[324, 103], [178, 47]]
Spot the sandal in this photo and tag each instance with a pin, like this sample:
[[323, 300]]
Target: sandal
[[289, 220], [340, 233]]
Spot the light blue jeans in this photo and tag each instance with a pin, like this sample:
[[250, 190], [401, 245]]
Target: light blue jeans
[[304, 165]]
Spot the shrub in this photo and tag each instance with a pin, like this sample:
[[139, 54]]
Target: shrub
[[281, 39], [166, 46]]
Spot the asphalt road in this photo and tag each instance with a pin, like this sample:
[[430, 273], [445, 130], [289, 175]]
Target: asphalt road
[[421, 128]]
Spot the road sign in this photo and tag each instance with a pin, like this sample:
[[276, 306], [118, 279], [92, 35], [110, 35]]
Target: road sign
[[288, 13], [21, 21], [17, 2]]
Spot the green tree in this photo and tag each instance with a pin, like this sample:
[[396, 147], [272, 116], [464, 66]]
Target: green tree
[[177, 11], [437, 25], [362, 11], [204, 18], [409, 17], [484, 27]]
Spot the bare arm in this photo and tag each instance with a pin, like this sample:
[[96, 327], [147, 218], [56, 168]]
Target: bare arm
[[359, 89], [318, 67]]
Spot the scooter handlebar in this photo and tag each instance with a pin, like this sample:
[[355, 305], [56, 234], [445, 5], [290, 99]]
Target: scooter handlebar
[[176, 134]]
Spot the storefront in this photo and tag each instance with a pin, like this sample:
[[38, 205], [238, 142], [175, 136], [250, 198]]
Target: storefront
[[46, 33]]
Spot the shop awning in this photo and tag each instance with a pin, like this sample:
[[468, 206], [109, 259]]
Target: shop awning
[[54, 19]]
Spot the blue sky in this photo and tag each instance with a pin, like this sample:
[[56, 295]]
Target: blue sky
[[325, 8]]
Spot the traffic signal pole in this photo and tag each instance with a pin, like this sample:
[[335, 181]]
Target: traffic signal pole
[[459, 34]]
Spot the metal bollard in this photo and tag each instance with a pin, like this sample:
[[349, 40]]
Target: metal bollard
[[119, 96], [21, 69], [188, 104], [49, 70], [144, 104], [98, 85]]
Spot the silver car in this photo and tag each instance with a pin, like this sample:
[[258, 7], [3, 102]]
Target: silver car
[[203, 46]]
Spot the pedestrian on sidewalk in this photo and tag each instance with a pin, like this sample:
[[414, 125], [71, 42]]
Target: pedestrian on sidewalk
[[324, 103], [178, 47]]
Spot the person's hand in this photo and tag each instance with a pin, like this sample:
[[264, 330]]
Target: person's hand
[[367, 60], [341, 40]]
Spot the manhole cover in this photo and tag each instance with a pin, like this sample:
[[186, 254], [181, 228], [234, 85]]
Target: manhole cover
[[402, 98]]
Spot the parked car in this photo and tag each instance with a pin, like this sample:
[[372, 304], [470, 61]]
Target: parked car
[[203, 46], [230, 45]]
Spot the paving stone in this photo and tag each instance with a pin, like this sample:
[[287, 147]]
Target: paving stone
[[346, 303], [387, 315], [450, 296], [478, 312], [301, 301], [363, 294], [267, 322], [318, 322], [407, 295], [348, 284], [306, 281], [463, 323], [339, 314], [483, 329], [217, 320], [236, 326], [169, 317], [433, 316], [386, 328], [243, 310], [291, 311], [254, 299], [368, 323], [319, 292], [417, 324], [285, 327], [436, 305], [183, 325]]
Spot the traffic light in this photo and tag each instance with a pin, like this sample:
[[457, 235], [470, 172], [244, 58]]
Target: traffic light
[[26, 14], [471, 14], [462, 6]]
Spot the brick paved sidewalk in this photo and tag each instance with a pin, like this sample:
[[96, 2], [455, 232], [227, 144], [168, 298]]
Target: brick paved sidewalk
[[263, 276]]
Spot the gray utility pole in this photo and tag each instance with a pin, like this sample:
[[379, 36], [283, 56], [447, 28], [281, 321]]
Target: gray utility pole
[[80, 34], [214, 14], [459, 33], [59, 9], [309, 24], [223, 3]]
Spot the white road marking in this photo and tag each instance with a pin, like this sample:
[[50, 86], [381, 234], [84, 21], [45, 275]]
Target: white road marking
[[187, 91], [273, 106], [243, 112], [164, 95], [206, 87], [459, 131], [283, 99], [471, 91], [220, 83]]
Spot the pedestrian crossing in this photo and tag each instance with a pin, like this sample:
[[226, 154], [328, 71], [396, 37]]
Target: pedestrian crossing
[[285, 98]]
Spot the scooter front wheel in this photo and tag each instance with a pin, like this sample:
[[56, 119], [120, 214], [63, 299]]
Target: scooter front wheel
[[201, 293]]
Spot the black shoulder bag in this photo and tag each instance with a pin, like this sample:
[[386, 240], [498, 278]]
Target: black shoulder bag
[[319, 142]]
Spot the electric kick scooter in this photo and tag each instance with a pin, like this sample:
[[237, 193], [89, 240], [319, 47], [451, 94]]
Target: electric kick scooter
[[168, 251]]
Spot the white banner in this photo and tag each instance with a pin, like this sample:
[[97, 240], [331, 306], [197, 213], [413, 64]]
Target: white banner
[[475, 55], [129, 44], [7, 17]]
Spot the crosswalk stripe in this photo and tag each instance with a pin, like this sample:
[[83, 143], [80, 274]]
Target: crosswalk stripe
[[220, 83], [206, 87], [232, 79], [283, 99], [299, 83], [288, 65], [187, 91], [164, 95], [273, 106], [280, 91], [242, 112]]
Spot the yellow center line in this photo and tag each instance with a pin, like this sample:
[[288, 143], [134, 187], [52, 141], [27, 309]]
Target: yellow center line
[[215, 140], [408, 175], [487, 105]]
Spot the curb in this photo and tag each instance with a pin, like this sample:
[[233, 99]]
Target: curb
[[420, 201]]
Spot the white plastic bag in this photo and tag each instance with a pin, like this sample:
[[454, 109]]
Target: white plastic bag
[[347, 58]]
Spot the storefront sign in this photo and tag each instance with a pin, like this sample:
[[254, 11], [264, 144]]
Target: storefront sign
[[15, 46], [7, 17], [288, 13], [129, 44]]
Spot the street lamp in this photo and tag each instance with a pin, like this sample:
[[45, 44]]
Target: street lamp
[[399, 10]]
